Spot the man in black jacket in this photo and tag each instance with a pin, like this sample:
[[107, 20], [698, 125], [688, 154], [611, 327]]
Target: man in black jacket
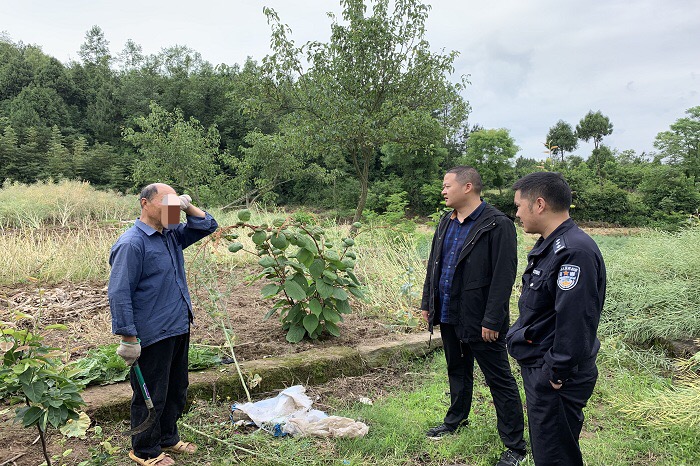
[[470, 276]]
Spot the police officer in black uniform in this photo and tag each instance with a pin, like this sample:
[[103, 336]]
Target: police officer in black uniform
[[554, 339]]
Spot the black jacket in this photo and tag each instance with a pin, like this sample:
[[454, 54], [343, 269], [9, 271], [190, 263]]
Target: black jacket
[[483, 279], [562, 298]]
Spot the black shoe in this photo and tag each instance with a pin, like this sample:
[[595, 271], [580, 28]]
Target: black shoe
[[440, 431], [510, 458]]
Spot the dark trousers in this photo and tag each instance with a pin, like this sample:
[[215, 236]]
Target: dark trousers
[[164, 368], [493, 361], [555, 417]]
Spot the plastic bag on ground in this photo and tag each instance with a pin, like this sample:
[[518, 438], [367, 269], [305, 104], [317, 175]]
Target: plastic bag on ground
[[290, 413]]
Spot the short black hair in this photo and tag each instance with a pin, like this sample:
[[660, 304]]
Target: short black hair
[[550, 186], [148, 192], [466, 174]]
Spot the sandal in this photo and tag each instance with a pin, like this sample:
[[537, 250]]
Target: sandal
[[181, 447], [148, 462]]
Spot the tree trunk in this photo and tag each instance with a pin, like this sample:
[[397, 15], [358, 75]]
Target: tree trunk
[[364, 184], [43, 446]]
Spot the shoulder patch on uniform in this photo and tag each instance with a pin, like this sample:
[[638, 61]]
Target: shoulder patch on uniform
[[559, 244], [568, 276]]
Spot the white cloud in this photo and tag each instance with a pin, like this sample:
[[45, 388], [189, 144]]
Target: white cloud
[[530, 62]]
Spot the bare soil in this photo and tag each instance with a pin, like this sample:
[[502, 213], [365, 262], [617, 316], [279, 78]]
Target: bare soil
[[84, 309]]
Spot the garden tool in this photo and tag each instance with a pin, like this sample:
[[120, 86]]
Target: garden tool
[[151, 419]]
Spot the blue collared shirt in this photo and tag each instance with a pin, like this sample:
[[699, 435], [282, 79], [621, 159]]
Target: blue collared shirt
[[148, 295], [452, 244]]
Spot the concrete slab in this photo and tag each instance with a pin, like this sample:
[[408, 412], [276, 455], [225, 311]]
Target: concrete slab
[[310, 367]]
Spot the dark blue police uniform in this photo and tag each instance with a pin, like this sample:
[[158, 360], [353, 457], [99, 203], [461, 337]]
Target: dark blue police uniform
[[554, 339]]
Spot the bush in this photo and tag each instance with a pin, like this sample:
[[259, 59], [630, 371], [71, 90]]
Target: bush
[[606, 203], [311, 280], [502, 201]]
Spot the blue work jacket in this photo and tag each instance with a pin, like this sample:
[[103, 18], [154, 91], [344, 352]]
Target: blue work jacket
[[148, 295]]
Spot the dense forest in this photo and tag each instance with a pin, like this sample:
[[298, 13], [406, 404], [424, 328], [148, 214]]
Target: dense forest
[[365, 122]]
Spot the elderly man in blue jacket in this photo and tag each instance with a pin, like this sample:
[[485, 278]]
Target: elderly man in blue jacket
[[152, 312]]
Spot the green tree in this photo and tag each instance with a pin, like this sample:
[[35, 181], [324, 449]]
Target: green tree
[[366, 87], [490, 151], [174, 150], [95, 50], [682, 143], [59, 162], [38, 107], [594, 126], [9, 154], [563, 137]]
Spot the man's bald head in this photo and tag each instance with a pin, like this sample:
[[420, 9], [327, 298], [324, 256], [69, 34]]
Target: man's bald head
[[150, 191]]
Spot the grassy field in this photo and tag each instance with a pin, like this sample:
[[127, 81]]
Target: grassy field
[[643, 412]]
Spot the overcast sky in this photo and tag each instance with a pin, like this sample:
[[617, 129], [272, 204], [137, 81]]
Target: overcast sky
[[530, 62]]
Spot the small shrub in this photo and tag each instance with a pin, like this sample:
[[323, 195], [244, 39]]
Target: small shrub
[[310, 276]]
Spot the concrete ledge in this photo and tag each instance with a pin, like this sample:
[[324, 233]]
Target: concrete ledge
[[310, 367]]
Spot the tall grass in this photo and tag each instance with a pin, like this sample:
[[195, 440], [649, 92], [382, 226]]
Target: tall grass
[[653, 286], [53, 256], [66, 203]]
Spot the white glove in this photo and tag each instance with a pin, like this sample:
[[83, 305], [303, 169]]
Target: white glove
[[185, 201], [129, 352]]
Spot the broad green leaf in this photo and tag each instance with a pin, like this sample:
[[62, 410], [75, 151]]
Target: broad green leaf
[[54, 416], [279, 241], [332, 255], [267, 261], [300, 280], [270, 313], [294, 291], [305, 257], [353, 278], [43, 421], [295, 334], [316, 269], [329, 274], [259, 237], [332, 329], [310, 323], [324, 290], [295, 314], [270, 290], [330, 315], [244, 215], [357, 292], [31, 416], [35, 391], [339, 293], [315, 306], [343, 306]]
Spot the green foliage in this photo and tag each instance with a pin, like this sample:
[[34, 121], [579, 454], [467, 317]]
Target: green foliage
[[594, 126], [561, 139], [174, 151], [606, 201], [102, 365], [310, 277], [490, 151], [682, 143], [375, 82], [104, 453], [33, 377]]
